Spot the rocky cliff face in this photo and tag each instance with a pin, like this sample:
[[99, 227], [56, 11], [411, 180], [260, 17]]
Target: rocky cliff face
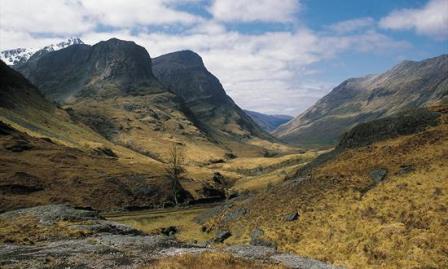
[[407, 85], [185, 74], [109, 68]]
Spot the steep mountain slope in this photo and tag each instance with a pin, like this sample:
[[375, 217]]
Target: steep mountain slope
[[43, 151], [407, 85], [22, 55], [110, 87], [268, 122], [184, 73], [112, 68], [379, 202]]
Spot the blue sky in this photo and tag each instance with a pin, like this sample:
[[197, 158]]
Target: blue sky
[[271, 56]]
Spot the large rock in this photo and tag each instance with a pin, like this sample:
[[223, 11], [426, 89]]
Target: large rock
[[292, 216], [222, 235], [378, 174]]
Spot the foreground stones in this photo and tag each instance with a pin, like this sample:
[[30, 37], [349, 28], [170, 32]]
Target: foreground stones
[[101, 244]]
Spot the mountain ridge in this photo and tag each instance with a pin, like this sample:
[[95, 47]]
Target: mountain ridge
[[22, 55], [407, 85]]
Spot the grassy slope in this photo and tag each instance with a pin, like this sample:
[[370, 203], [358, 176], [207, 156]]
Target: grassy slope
[[399, 223]]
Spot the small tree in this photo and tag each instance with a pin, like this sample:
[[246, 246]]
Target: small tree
[[175, 168]]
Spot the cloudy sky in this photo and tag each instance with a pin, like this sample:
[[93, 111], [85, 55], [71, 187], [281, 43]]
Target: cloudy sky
[[272, 56]]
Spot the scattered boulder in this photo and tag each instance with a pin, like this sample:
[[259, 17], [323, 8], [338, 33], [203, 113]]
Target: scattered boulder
[[256, 239], [168, 231], [235, 214], [378, 174], [406, 169], [292, 217], [221, 236]]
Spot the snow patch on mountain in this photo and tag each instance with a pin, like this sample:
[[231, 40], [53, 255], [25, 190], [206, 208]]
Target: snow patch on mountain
[[21, 55]]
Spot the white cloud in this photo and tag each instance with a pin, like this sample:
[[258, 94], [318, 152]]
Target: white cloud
[[431, 20], [44, 16], [80, 16], [254, 10], [128, 13], [352, 25], [265, 72]]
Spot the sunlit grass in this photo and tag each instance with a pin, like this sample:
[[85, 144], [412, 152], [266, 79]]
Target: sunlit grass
[[153, 221], [344, 219], [208, 260]]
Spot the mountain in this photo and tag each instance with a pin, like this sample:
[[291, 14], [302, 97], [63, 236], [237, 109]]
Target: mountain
[[43, 149], [184, 73], [268, 122], [111, 68], [22, 55], [407, 85], [112, 88]]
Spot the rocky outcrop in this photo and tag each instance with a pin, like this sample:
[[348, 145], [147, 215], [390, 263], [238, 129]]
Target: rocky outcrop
[[109, 68], [92, 242]]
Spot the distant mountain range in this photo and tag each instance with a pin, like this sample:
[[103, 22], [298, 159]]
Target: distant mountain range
[[268, 122], [22, 55], [408, 85]]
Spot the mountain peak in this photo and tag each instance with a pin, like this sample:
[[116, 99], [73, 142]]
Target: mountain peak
[[109, 68], [22, 55], [185, 58]]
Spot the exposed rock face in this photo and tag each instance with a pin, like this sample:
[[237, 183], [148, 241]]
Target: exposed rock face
[[184, 73], [109, 68], [407, 85]]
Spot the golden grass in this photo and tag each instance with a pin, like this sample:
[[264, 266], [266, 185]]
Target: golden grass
[[344, 219], [208, 260], [27, 230], [152, 221]]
